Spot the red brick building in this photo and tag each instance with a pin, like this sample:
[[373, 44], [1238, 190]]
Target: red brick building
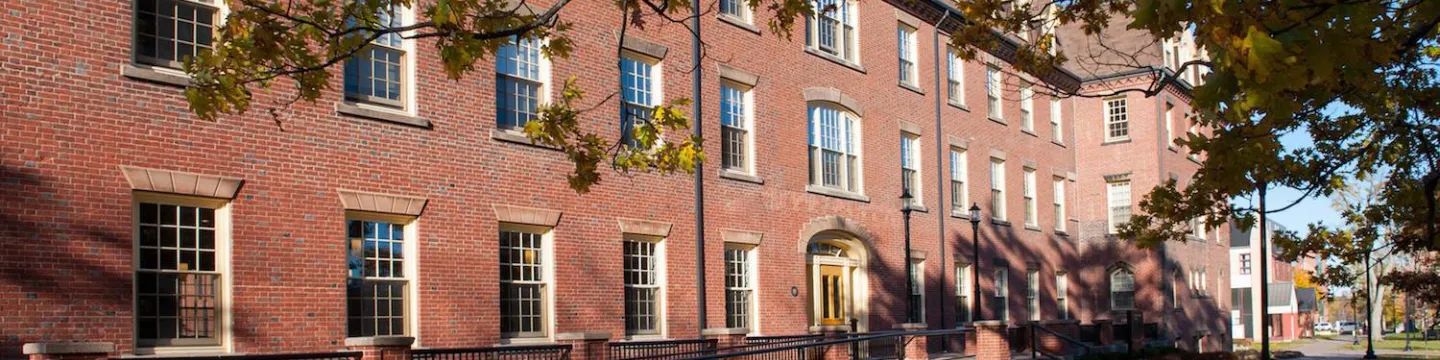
[[399, 203]]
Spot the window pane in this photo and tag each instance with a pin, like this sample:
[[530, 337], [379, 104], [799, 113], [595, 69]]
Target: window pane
[[641, 287], [176, 292]]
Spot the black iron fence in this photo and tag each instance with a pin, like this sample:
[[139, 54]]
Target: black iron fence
[[662, 349], [534, 352], [342, 355]]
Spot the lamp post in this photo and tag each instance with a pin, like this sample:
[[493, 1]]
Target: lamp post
[[1369, 310], [975, 262], [909, 270]]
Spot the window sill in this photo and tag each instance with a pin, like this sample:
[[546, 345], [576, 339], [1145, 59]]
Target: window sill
[[740, 176], [959, 215], [912, 87], [957, 105], [1035, 228], [919, 208], [1062, 233], [155, 75], [521, 341], [835, 59], [517, 138], [1195, 160], [405, 341], [169, 351], [997, 120], [1057, 143], [1030, 132], [1172, 149], [1115, 141], [647, 337], [362, 111], [1194, 238], [738, 22], [836, 193], [998, 222]]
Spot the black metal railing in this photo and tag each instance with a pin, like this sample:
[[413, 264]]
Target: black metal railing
[[661, 349], [1080, 348], [948, 343], [532, 352], [342, 355]]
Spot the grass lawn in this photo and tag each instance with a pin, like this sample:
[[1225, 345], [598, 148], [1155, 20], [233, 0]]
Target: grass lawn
[[1417, 345], [1292, 345]]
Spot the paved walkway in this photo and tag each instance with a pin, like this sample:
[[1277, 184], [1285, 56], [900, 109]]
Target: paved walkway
[[1322, 349]]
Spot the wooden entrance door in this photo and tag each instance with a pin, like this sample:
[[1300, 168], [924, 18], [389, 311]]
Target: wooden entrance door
[[832, 295]]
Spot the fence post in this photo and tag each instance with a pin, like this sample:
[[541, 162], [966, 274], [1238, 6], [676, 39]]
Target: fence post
[[381, 347], [69, 351], [992, 340], [915, 346], [585, 345]]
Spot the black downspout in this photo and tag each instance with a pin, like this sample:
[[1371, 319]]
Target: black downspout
[[699, 173], [939, 176]]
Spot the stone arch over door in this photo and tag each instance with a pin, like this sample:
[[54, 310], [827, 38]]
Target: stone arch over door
[[852, 248]]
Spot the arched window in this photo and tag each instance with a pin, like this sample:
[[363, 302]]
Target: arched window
[[834, 148], [827, 249], [1122, 289]]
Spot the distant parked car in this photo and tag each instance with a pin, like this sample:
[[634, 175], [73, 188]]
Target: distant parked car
[[1323, 327], [1345, 327]]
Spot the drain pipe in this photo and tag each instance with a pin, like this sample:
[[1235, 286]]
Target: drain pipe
[[697, 115], [939, 176]]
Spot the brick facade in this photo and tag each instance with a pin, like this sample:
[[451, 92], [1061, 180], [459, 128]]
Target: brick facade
[[73, 124]]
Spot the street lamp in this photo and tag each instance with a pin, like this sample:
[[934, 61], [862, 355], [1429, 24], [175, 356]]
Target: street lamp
[[909, 270], [1369, 309], [975, 314]]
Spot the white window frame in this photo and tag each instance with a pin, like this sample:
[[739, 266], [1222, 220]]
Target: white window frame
[[1117, 121], [994, 92], [963, 294], [1032, 206], [1057, 130], [541, 80], [955, 74], [910, 162], [847, 31], [959, 181], [741, 7], [848, 132], [1032, 293], [658, 262], [747, 125], [997, 189], [905, 46], [411, 293], [918, 271], [1001, 280], [654, 91], [1169, 127], [406, 103], [1062, 290], [1114, 191], [1117, 287], [1058, 183], [223, 244], [750, 277], [221, 10], [1027, 107], [546, 282]]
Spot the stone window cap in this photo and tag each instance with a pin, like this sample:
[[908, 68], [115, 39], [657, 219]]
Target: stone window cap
[[644, 227], [956, 141], [739, 76], [997, 154], [526, 215], [183, 183], [1117, 177], [583, 335], [1029, 164], [381, 203], [742, 236], [63, 348], [918, 254], [398, 341], [725, 331], [834, 95], [644, 47], [911, 128], [907, 19]]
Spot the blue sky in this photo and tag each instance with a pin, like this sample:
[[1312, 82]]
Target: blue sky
[[1309, 210]]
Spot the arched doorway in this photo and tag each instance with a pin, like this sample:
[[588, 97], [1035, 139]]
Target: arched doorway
[[839, 287]]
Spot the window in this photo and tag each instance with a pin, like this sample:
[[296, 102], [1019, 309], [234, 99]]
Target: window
[[1059, 184], [997, 189], [735, 124], [1032, 294], [1062, 288], [832, 29], [1117, 122], [905, 45], [1057, 132], [1027, 108], [1197, 227], [917, 292], [525, 264], [519, 86], [1122, 289], [180, 270], [1119, 192], [1031, 213], [1002, 290], [640, 85], [378, 285], [168, 32], [962, 292], [994, 83], [739, 9], [377, 75], [956, 77], [1169, 127], [1244, 264], [834, 149], [643, 290], [739, 286], [910, 167], [1204, 282], [1175, 288], [1194, 131], [1048, 30], [959, 177]]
